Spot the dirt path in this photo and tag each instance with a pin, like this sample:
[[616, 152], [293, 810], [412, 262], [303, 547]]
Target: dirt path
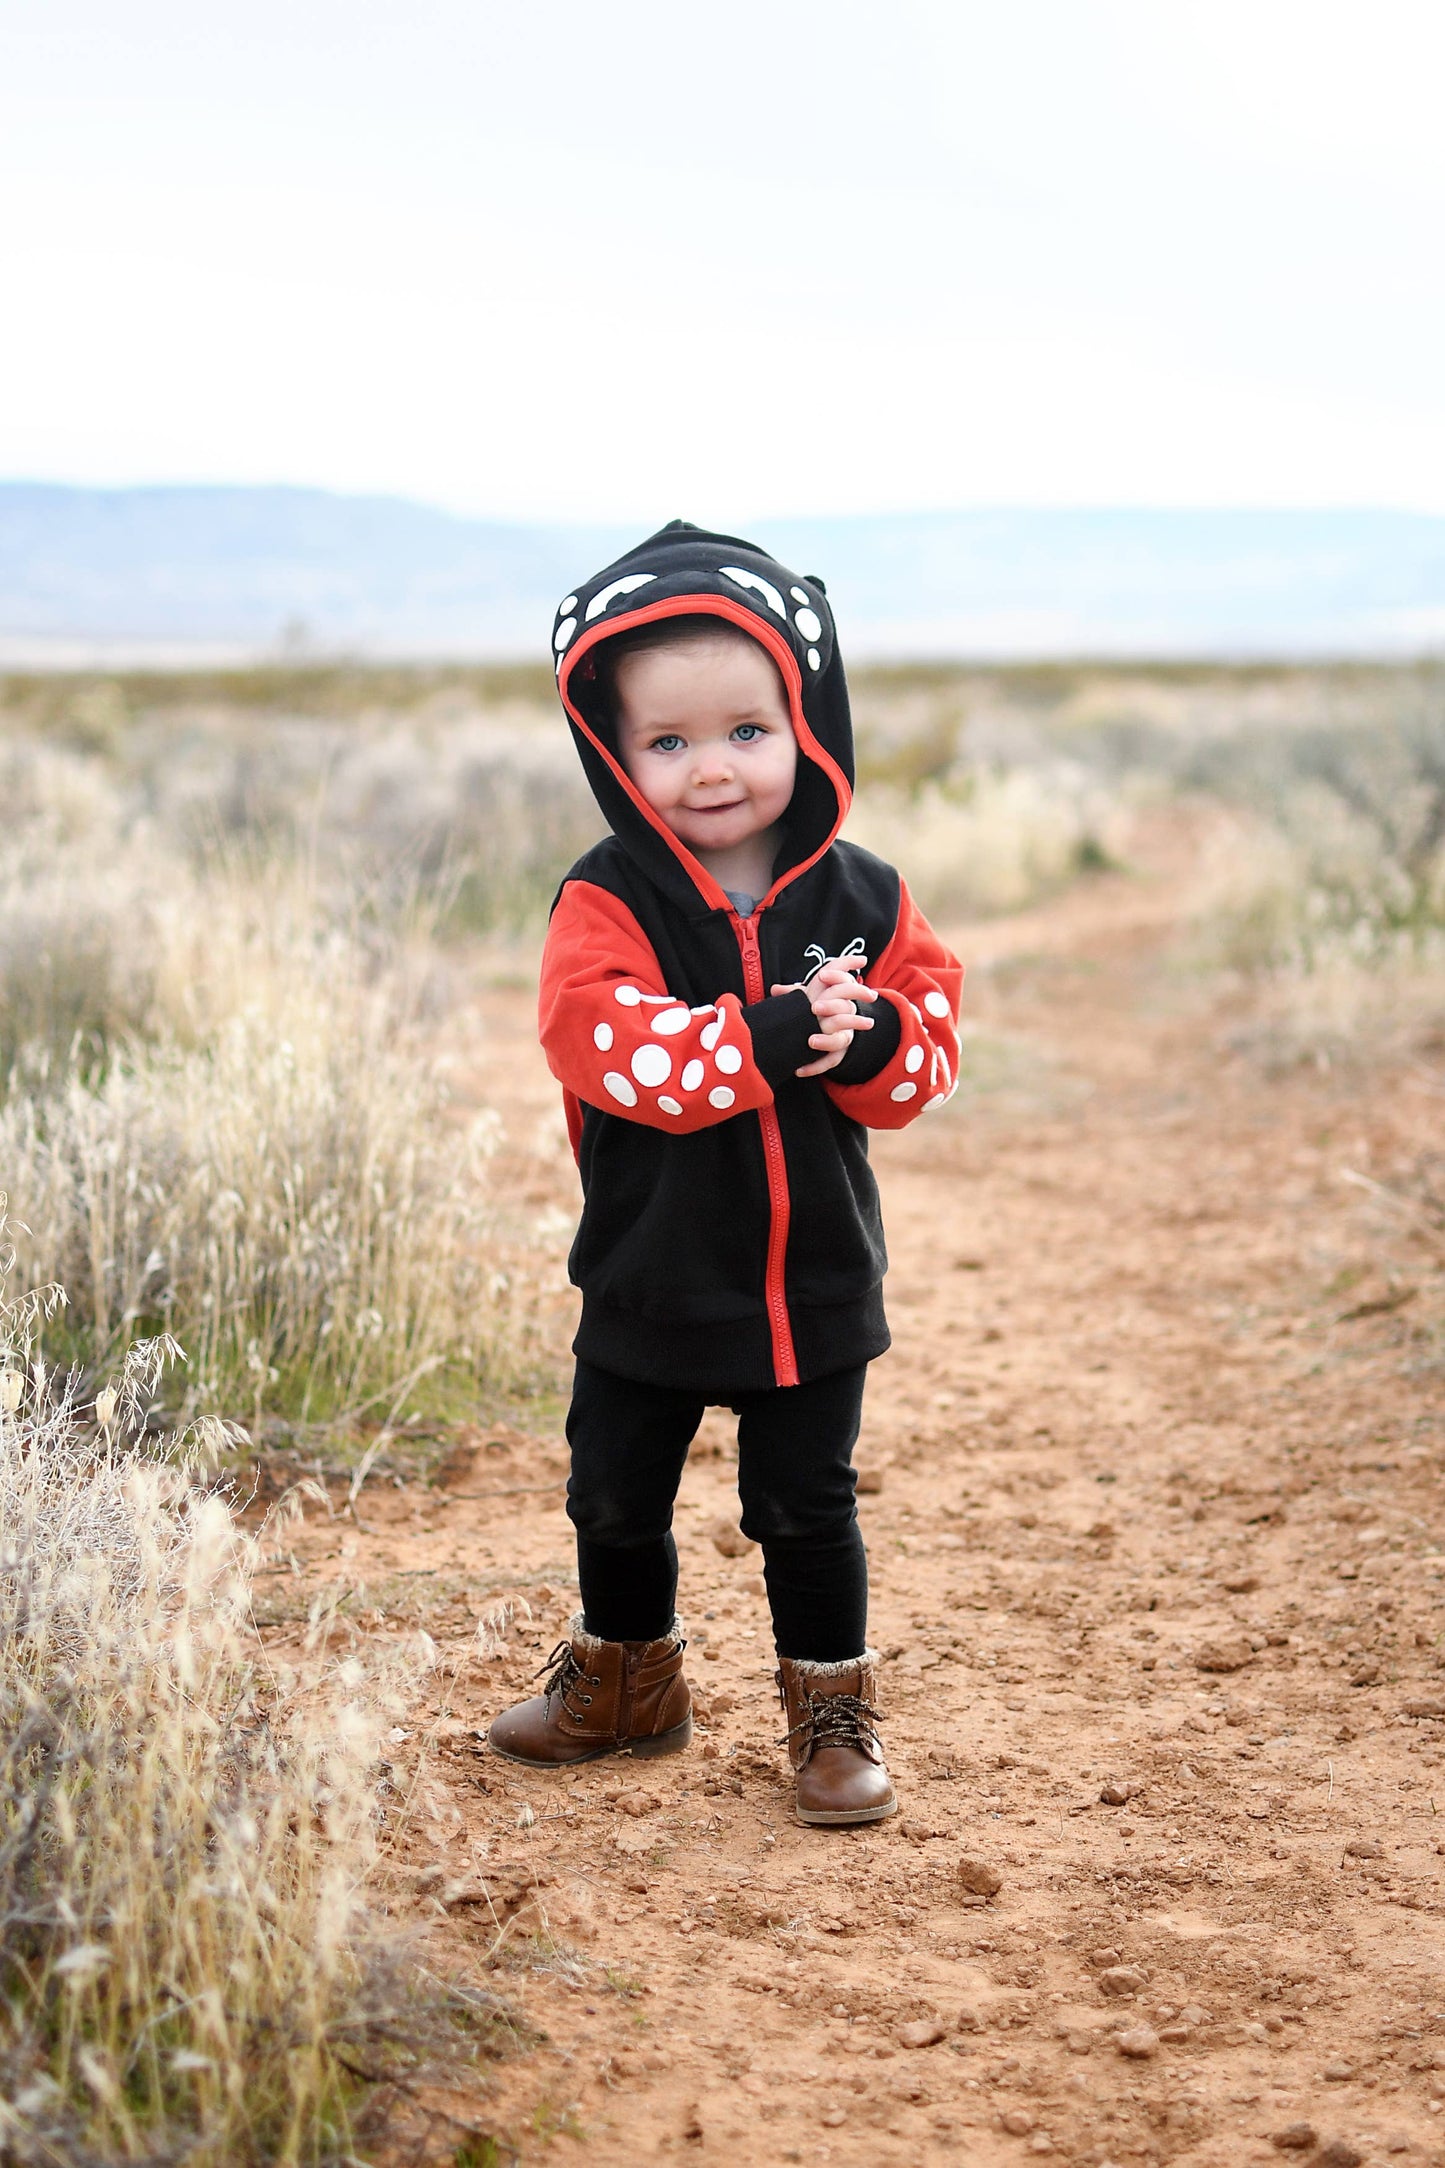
[[1154, 1392]]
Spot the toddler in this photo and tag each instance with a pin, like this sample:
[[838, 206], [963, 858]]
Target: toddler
[[730, 998]]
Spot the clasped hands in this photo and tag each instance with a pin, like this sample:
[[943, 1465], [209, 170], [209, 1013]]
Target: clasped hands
[[834, 990]]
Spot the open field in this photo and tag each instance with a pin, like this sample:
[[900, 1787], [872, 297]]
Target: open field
[[1153, 1470]]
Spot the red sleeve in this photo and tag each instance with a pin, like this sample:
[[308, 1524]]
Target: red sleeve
[[615, 1038], [923, 981]]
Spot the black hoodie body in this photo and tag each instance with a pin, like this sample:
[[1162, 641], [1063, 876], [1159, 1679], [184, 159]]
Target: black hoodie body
[[730, 1237]]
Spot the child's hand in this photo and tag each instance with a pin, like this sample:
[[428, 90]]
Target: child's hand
[[835, 992]]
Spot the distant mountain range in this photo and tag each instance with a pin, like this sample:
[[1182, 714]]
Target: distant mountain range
[[177, 573]]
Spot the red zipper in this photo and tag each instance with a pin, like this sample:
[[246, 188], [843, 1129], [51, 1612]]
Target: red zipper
[[785, 1361]]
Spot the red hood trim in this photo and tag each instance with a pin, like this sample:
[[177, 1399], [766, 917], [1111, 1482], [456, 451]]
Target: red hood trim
[[748, 621]]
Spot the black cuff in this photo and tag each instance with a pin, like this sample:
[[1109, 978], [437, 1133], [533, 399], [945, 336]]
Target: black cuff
[[780, 1028], [871, 1051]]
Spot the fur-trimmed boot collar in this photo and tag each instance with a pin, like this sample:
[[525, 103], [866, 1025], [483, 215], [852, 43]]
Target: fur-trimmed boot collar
[[580, 1639]]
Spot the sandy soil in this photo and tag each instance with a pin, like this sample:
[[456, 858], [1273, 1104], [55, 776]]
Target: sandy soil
[[1155, 1526]]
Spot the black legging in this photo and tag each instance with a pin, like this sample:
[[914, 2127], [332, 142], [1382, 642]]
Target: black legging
[[795, 1479]]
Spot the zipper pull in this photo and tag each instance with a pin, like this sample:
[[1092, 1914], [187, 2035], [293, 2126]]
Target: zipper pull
[[752, 958]]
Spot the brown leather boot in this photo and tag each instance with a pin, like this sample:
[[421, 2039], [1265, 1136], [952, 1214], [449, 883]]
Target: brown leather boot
[[603, 1697], [833, 1740]]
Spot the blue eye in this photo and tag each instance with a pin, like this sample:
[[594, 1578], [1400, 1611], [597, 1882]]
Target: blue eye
[[667, 743], [748, 731]]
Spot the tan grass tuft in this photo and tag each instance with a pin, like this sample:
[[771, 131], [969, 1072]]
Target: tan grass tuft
[[183, 1840], [277, 1173]]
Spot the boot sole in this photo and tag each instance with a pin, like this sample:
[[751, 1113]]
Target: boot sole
[[663, 1742], [818, 1818]]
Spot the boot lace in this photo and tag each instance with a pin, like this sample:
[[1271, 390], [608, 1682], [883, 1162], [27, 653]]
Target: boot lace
[[837, 1720], [566, 1677]]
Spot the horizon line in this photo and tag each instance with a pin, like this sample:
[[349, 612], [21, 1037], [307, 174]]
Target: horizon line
[[993, 507]]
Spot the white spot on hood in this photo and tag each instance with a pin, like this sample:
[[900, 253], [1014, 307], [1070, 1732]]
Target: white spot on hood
[[606, 595], [759, 585]]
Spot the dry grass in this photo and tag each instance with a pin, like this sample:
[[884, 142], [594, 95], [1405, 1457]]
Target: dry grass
[[1318, 995], [275, 1170], [475, 808], [184, 1835], [988, 840], [1326, 885], [237, 1103]]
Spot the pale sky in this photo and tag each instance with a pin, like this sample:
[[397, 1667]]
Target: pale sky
[[572, 260]]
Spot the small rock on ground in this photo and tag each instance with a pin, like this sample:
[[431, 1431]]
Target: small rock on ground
[[925, 2033], [1231, 1653], [729, 1539]]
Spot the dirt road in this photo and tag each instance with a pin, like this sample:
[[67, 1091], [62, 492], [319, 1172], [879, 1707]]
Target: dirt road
[[1155, 1527]]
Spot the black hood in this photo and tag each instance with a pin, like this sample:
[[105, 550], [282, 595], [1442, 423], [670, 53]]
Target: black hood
[[683, 570]]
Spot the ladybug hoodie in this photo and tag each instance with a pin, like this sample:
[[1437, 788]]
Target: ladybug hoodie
[[730, 1237]]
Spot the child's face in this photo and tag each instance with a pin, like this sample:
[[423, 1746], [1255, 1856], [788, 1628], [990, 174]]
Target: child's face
[[704, 732]]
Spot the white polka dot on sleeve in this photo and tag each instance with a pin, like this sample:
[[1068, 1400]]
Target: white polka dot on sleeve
[[621, 1087], [652, 1065], [935, 1003], [692, 1076], [720, 1096], [729, 1060], [602, 1038]]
